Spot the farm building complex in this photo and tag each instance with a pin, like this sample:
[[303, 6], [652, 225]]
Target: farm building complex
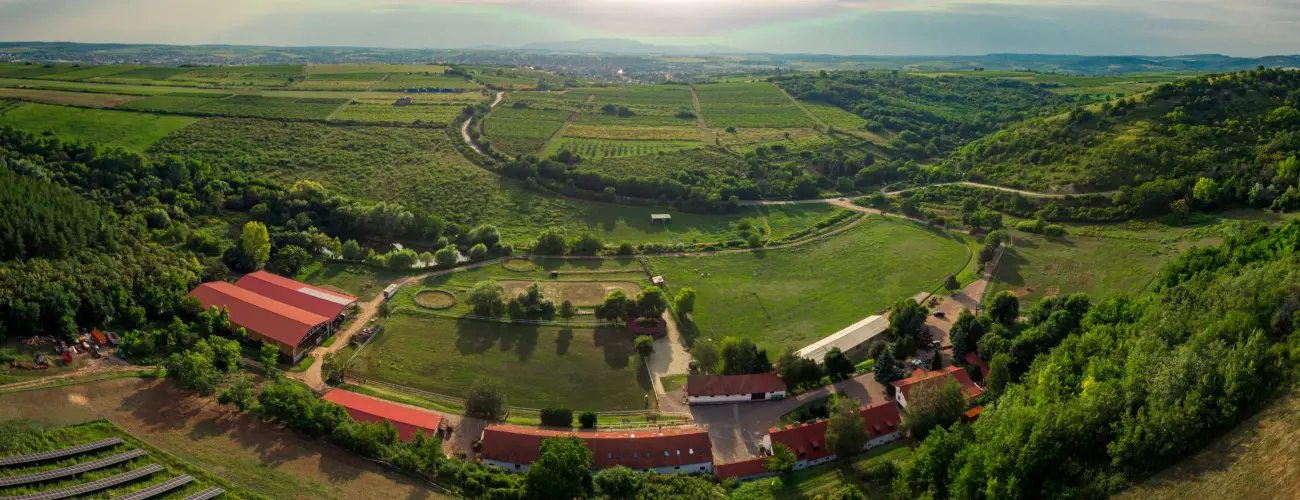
[[808, 441], [407, 420], [734, 388], [295, 316], [667, 451]]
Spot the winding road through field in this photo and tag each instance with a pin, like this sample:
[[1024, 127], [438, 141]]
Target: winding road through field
[[1031, 194], [464, 128]]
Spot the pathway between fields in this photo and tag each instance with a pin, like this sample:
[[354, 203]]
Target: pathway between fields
[[464, 128], [706, 135], [1031, 194]]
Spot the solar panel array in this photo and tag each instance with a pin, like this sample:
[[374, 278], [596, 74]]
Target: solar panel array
[[82, 489], [75, 469], [47, 455], [212, 492], [157, 489]]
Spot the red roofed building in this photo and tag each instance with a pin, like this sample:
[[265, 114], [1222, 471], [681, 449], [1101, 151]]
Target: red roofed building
[[882, 424], [744, 470], [734, 388], [957, 374], [973, 358], [807, 441], [667, 451], [406, 419], [297, 294], [290, 328], [973, 414]]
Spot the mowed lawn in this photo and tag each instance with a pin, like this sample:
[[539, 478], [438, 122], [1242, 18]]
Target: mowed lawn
[[131, 131], [537, 366], [804, 293], [1256, 460], [1100, 261]]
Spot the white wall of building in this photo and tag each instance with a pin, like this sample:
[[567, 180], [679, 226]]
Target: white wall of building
[[885, 439], [736, 398]]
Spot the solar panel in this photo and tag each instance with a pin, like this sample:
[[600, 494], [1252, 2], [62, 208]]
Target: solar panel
[[82, 489], [75, 469], [157, 489], [47, 455], [212, 492]]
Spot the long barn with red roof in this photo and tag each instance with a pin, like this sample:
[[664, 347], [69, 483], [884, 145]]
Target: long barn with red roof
[[669, 451], [406, 419], [294, 316]]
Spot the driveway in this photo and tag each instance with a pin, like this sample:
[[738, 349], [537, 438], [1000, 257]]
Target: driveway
[[736, 429]]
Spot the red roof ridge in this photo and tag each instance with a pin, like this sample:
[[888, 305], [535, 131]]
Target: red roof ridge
[[725, 385], [266, 316], [407, 419]]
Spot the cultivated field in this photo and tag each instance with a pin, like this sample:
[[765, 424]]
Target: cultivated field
[[389, 113], [843, 121], [538, 366], [793, 139], [598, 149], [750, 105], [326, 69], [259, 456], [18, 437], [397, 81], [81, 99], [695, 159], [132, 131], [792, 297], [522, 131]]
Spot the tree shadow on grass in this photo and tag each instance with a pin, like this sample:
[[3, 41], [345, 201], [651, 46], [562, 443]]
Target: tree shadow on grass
[[563, 340], [617, 344], [476, 337], [1010, 268]]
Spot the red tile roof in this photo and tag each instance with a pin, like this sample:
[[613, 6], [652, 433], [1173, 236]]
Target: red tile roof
[[269, 318], [807, 440], [746, 468], [881, 419], [973, 414], [732, 385], [407, 420], [955, 373], [633, 449], [973, 358], [297, 294]]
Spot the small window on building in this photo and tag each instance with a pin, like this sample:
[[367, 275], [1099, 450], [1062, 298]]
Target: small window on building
[[611, 455], [677, 468], [679, 452], [690, 451], [516, 466], [666, 453], [635, 455]]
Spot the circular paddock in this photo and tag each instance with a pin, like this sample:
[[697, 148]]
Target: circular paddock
[[520, 265], [435, 299]]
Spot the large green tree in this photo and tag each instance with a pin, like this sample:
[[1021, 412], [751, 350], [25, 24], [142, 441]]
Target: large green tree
[[907, 318], [255, 243], [846, 432], [562, 471], [782, 460], [931, 405]]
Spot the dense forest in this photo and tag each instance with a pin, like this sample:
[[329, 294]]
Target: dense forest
[[1199, 142], [1134, 384]]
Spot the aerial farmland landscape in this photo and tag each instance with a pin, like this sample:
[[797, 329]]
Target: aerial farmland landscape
[[649, 249]]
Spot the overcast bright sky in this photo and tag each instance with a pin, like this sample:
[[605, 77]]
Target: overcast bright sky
[[877, 27]]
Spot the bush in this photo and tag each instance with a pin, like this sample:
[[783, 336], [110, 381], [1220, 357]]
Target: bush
[[486, 401], [557, 417], [478, 252], [588, 419]]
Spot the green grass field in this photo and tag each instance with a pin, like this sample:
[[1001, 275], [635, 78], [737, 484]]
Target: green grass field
[[172, 103], [388, 113], [596, 149], [360, 281], [398, 81], [703, 160], [753, 105], [132, 131], [537, 366], [571, 272], [804, 293], [1100, 261], [19, 437]]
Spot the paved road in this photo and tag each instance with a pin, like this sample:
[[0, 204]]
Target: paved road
[[464, 128]]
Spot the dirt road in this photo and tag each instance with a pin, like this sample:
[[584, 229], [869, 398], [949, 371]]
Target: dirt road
[[464, 128], [1031, 194]]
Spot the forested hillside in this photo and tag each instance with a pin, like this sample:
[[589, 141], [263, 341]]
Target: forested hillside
[[39, 219], [924, 115], [1198, 142], [1134, 384]]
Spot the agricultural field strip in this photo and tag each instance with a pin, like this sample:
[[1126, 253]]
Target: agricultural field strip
[[559, 132], [801, 106]]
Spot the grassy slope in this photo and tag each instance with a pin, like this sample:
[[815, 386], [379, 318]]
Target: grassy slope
[[538, 366], [132, 131], [1256, 460], [825, 479], [810, 291]]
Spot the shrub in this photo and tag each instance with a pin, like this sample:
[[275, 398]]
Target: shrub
[[557, 417], [588, 419], [478, 252]]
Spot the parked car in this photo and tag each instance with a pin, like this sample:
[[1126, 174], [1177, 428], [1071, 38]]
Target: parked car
[[939, 314]]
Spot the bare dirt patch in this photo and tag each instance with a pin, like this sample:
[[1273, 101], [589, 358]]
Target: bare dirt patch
[[581, 293], [1051, 292], [257, 455], [435, 299]]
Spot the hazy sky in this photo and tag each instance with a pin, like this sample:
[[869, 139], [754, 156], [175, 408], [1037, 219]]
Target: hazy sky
[[882, 27]]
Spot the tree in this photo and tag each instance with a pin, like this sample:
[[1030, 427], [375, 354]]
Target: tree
[[848, 492], [587, 419], [705, 354], [550, 242], [614, 307], [618, 482], [685, 301], [335, 367], [1004, 308], [797, 371], [645, 345], [556, 417], [999, 374], [352, 251], [782, 460], [289, 259], [931, 405], [486, 400], [478, 252], [967, 331], [887, 369], [194, 369], [385, 309], [936, 361], [562, 470], [846, 433], [1205, 191], [255, 242], [488, 298], [240, 393], [741, 357], [951, 282], [567, 311], [269, 355], [907, 318], [586, 244], [651, 302], [446, 257], [838, 366]]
